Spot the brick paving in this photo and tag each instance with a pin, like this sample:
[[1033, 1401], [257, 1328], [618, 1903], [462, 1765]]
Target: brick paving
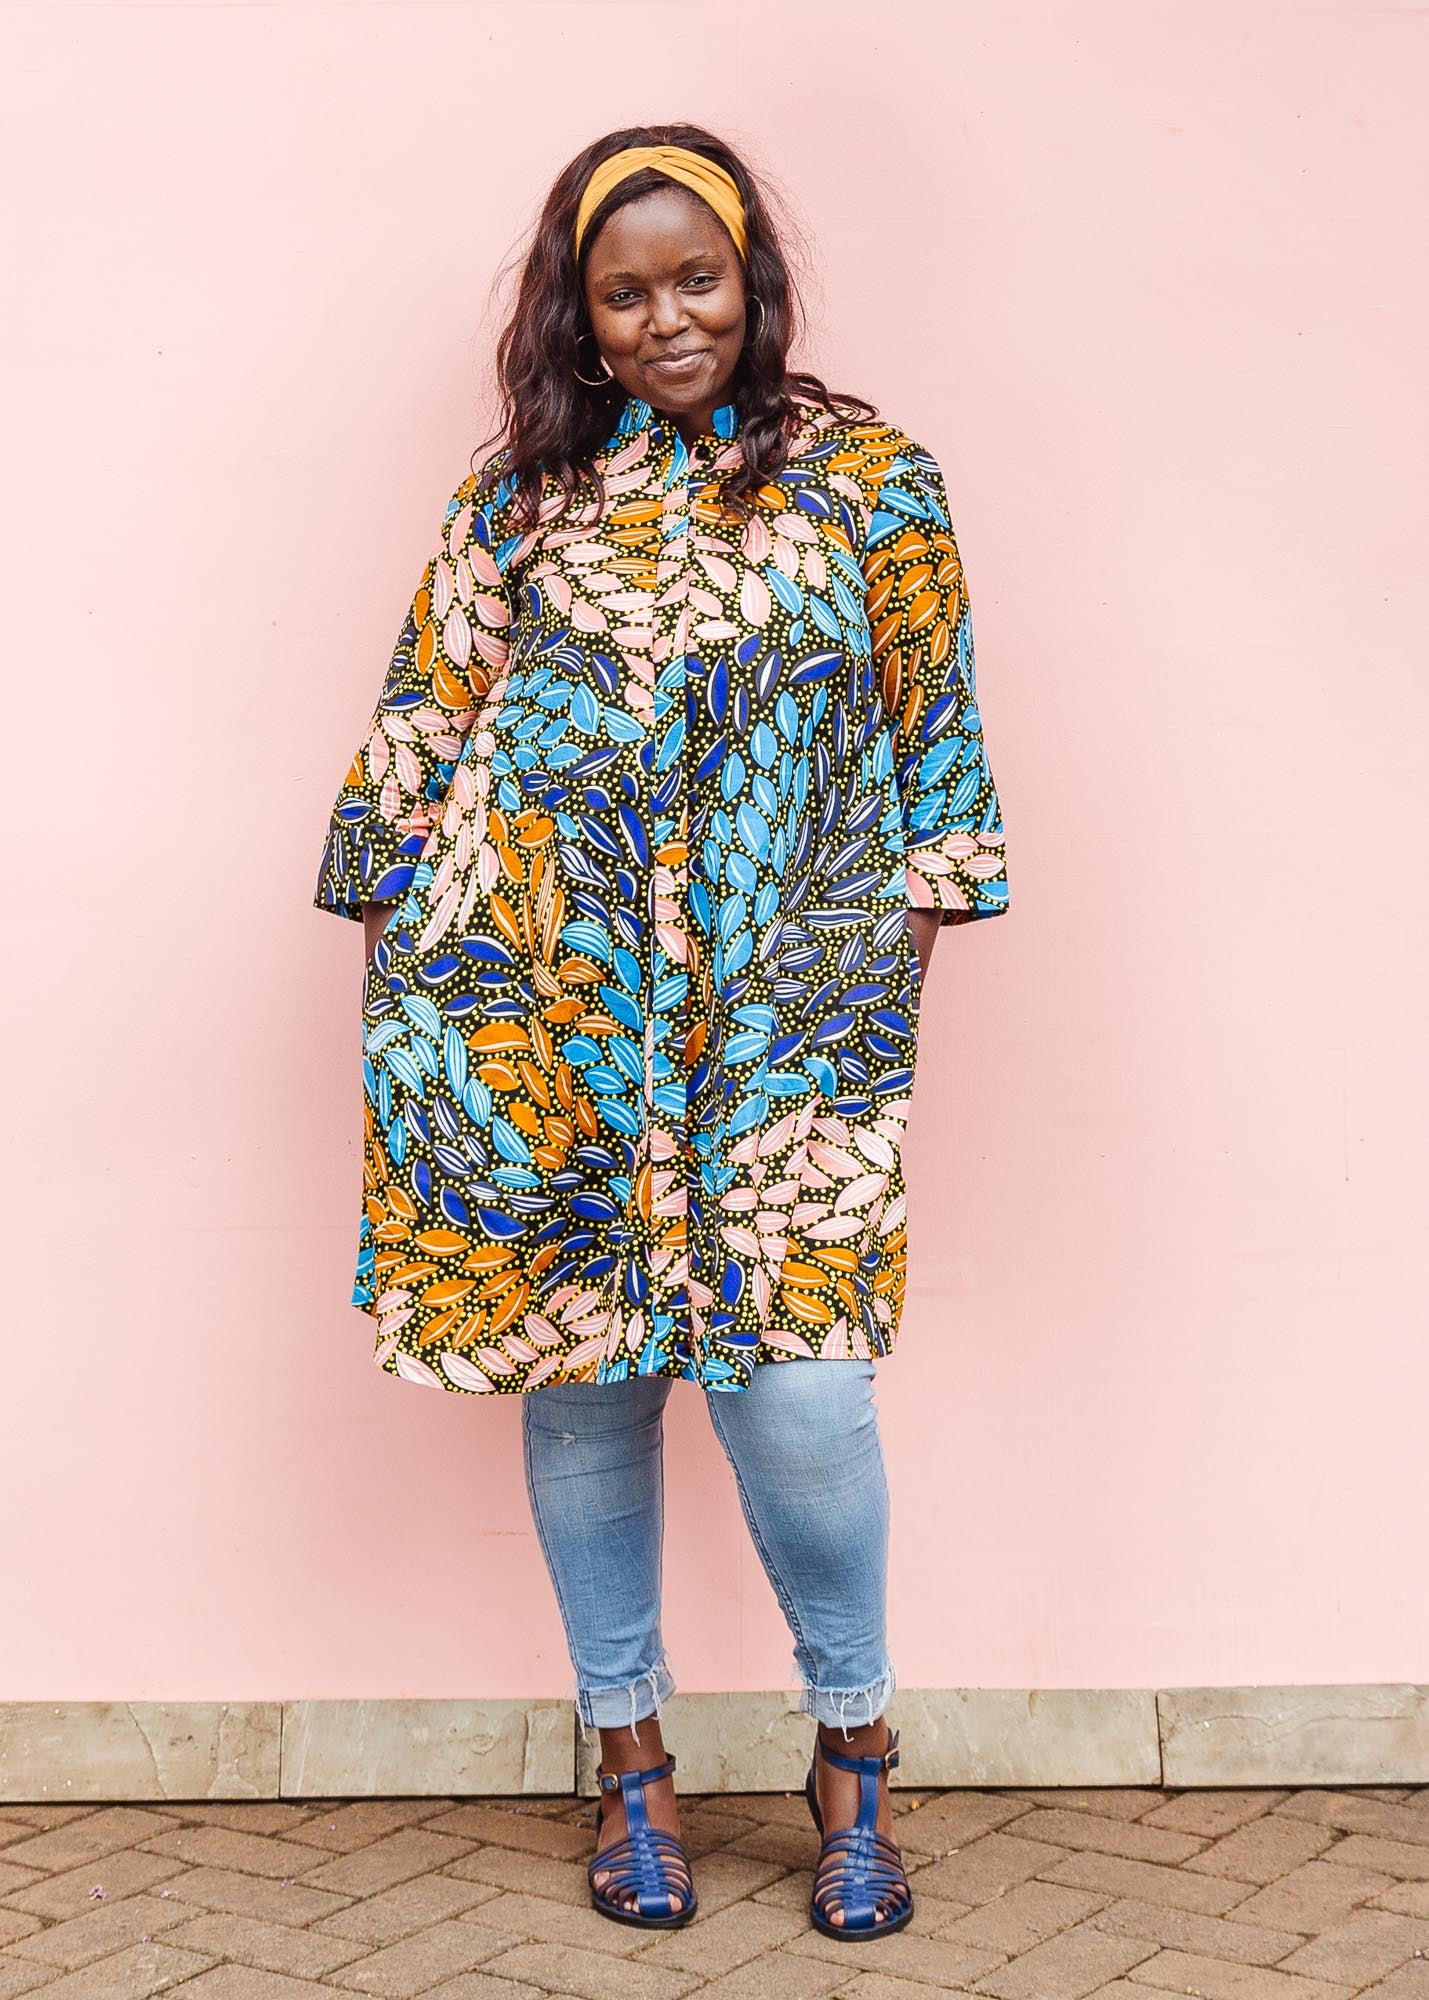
[[1115, 1894]]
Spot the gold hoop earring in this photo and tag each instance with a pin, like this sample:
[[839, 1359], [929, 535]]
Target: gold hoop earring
[[760, 304], [600, 380]]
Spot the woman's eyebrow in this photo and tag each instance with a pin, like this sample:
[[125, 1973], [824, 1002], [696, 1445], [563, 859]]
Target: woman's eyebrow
[[622, 277]]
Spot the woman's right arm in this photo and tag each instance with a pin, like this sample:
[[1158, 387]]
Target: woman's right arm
[[451, 649]]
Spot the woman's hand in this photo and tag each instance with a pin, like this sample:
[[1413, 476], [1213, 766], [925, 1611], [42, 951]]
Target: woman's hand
[[926, 925], [375, 919]]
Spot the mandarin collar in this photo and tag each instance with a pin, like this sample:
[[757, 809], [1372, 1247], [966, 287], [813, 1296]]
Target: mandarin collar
[[637, 415]]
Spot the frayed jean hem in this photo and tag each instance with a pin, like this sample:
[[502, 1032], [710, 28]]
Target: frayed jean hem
[[849, 1708], [625, 1707]]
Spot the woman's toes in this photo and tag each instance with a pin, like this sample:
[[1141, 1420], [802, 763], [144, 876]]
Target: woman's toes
[[885, 1909], [602, 1880]]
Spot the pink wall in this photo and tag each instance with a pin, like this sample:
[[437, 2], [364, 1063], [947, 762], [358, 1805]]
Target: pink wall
[[1150, 283]]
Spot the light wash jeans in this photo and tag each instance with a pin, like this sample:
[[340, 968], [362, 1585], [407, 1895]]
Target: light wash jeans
[[803, 1442]]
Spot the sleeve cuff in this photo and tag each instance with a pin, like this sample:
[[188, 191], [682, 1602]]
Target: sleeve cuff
[[960, 877], [365, 861]]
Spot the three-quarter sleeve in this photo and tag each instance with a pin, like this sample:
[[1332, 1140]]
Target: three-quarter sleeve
[[452, 645], [924, 668]]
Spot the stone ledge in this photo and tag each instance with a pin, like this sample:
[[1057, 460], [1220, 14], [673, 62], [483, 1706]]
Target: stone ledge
[[1371, 1734], [423, 1749], [68, 1751], [1366, 1734]]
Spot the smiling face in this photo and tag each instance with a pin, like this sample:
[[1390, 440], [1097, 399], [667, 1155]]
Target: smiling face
[[663, 279]]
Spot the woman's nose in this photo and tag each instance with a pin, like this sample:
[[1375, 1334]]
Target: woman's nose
[[668, 315]]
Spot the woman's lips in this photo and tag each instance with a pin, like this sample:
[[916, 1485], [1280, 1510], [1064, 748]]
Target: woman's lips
[[683, 364]]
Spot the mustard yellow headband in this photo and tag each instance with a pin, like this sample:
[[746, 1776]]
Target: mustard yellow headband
[[704, 176]]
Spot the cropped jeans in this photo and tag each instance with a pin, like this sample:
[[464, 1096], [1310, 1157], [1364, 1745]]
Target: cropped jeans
[[803, 1442]]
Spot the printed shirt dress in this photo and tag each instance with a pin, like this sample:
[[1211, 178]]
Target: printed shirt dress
[[653, 791]]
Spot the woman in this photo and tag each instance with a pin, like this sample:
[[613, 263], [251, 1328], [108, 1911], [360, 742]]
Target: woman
[[675, 775]]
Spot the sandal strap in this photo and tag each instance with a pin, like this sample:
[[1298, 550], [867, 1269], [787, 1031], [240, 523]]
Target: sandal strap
[[631, 1786], [629, 1856], [863, 1765], [612, 1781]]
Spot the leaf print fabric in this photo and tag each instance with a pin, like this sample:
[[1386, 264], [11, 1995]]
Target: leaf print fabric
[[654, 790]]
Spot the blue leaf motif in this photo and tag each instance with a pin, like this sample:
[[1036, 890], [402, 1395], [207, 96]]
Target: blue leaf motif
[[488, 950], [717, 690], [753, 830], [509, 1142], [499, 1226], [585, 711], [455, 1058]]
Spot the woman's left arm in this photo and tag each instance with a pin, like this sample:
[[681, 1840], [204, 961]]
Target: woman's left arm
[[918, 610]]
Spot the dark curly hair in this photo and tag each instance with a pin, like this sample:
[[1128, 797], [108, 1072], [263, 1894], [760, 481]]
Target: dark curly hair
[[554, 424]]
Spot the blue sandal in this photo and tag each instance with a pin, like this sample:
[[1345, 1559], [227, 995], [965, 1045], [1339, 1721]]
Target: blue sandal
[[651, 1863], [859, 1868]]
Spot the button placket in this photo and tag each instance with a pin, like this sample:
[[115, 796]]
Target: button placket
[[687, 1157], [670, 1124], [667, 1162]]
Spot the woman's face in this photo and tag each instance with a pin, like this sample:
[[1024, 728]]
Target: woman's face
[[664, 279]]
